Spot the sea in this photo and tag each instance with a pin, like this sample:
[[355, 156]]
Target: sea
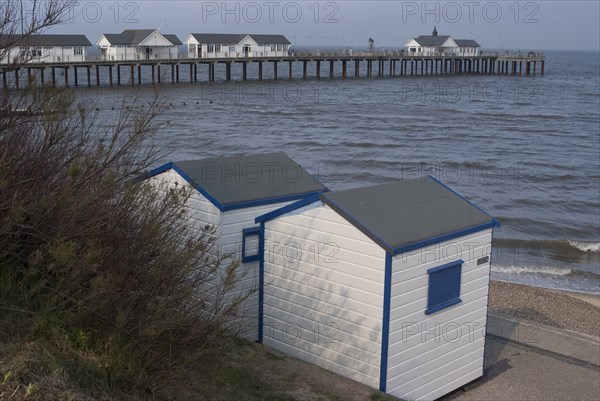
[[524, 148]]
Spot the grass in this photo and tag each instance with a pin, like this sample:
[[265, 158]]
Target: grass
[[241, 371]]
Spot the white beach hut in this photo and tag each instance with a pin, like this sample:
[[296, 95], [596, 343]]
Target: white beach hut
[[386, 285], [139, 44], [230, 192], [44, 48], [233, 45]]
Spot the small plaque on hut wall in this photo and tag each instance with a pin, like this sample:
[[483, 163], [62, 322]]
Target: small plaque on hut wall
[[483, 260]]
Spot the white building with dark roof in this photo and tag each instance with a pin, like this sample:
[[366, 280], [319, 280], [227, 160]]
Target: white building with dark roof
[[442, 45], [228, 194], [44, 48], [218, 45], [139, 44], [387, 285]]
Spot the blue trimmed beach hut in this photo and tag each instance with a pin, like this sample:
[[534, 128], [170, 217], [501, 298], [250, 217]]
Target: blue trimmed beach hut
[[387, 285], [229, 193]]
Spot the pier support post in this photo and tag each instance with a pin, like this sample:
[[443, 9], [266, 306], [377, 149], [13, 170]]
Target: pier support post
[[356, 68], [191, 73], [42, 78], [139, 68], [304, 69], [318, 69], [172, 73], [17, 78], [331, 66], [244, 71], [275, 70], [118, 75], [97, 75], [53, 76], [153, 74], [110, 75], [260, 70], [177, 72], [534, 67], [343, 68], [132, 74], [290, 70], [543, 67], [228, 71], [28, 76], [4, 80]]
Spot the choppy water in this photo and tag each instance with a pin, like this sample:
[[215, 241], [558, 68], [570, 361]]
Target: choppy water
[[526, 149]]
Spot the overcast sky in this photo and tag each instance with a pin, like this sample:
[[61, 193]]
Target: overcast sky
[[526, 25]]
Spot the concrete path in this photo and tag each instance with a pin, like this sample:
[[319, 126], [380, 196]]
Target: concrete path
[[570, 344], [531, 362], [518, 372]]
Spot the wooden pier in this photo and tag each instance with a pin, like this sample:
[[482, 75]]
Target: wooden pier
[[392, 65]]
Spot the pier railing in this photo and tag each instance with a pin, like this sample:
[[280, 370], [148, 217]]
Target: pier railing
[[353, 64], [324, 54]]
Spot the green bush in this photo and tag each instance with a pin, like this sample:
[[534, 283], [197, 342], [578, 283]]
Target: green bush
[[97, 265]]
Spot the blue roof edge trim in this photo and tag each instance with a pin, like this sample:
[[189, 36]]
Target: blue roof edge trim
[[270, 201], [307, 200], [173, 166], [385, 329], [154, 172], [465, 199], [198, 188], [446, 237], [342, 212]]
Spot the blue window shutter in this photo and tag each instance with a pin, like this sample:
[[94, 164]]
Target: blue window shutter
[[444, 286], [248, 233]]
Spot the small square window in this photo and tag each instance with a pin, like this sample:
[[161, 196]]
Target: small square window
[[250, 244], [444, 286]]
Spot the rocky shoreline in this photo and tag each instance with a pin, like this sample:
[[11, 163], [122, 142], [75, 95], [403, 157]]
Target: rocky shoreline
[[561, 309]]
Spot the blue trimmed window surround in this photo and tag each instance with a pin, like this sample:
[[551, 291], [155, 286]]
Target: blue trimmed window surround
[[250, 241], [444, 286]]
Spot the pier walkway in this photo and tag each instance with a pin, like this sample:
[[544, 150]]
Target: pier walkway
[[322, 64]]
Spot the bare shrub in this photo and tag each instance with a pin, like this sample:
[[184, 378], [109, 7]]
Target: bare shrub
[[97, 267]]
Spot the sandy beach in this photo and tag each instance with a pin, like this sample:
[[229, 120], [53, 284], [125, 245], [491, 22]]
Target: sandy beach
[[561, 309]]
